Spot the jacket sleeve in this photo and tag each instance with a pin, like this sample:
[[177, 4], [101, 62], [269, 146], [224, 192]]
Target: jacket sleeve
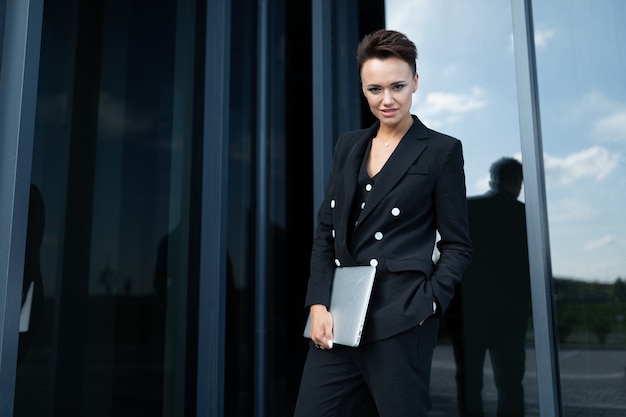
[[452, 223], [323, 249]]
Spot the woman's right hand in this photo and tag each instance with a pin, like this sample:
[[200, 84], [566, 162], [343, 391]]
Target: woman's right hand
[[321, 326]]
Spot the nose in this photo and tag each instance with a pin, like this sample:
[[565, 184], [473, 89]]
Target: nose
[[387, 97]]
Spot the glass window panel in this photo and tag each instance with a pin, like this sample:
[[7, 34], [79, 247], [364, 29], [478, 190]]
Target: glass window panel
[[113, 321], [289, 198], [581, 63], [467, 89], [288, 193], [239, 352]]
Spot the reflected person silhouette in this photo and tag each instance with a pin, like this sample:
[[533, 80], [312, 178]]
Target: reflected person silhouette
[[492, 307]]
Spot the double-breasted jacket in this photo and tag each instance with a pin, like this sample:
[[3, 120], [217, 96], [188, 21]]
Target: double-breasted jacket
[[420, 191]]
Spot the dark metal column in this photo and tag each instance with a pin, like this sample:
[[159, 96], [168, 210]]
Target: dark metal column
[[18, 96]]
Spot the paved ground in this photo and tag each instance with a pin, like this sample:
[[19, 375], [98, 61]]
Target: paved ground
[[593, 384]]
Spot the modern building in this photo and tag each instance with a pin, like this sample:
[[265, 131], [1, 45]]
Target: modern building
[[161, 163]]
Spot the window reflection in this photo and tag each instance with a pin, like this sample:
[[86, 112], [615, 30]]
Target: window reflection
[[112, 159], [581, 61], [491, 308]]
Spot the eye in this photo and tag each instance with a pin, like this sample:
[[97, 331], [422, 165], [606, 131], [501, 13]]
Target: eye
[[399, 86], [374, 89]]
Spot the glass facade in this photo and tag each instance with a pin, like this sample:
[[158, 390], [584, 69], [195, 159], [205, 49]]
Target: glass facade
[[582, 90], [115, 238], [109, 251]]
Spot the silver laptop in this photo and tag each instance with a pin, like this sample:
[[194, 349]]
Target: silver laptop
[[350, 297]]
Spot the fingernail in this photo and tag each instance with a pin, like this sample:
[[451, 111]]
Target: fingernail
[[330, 344]]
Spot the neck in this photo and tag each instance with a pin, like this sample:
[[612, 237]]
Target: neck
[[395, 132]]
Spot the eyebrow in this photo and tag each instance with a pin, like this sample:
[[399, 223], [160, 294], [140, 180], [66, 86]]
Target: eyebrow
[[392, 84]]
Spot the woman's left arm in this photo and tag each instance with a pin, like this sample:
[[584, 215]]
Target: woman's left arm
[[451, 221]]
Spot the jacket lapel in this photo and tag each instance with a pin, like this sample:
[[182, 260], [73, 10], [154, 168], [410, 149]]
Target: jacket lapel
[[353, 165], [409, 149]]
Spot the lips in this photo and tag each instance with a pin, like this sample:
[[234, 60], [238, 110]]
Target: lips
[[389, 112]]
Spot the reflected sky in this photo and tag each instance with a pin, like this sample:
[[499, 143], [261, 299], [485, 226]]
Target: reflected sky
[[467, 89]]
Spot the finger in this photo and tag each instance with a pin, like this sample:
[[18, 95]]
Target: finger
[[327, 341], [328, 336]]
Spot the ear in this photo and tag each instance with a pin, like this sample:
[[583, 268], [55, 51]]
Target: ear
[[415, 82]]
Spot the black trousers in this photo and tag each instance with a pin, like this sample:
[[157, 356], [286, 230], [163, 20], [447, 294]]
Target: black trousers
[[394, 373]]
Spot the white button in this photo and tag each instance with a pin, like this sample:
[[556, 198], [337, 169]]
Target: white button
[[362, 206], [333, 233], [378, 236], [373, 262], [337, 262], [368, 187], [332, 203], [395, 211]]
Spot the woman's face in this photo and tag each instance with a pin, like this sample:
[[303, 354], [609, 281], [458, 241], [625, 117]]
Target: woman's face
[[388, 85]]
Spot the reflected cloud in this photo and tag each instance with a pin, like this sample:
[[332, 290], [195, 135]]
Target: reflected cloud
[[115, 118], [482, 184], [448, 107], [609, 116], [542, 37], [596, 163], [571, 210], [602, 242], [612, 127]]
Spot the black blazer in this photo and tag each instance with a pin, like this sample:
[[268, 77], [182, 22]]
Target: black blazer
[[420, 190]]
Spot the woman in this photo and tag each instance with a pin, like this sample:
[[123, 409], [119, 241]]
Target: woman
[[392, 187]]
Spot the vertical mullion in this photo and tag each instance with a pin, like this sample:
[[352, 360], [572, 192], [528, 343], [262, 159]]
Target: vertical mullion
[[260, 273], [536, 209], [18, 97], [322, 98], [213, 217]]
